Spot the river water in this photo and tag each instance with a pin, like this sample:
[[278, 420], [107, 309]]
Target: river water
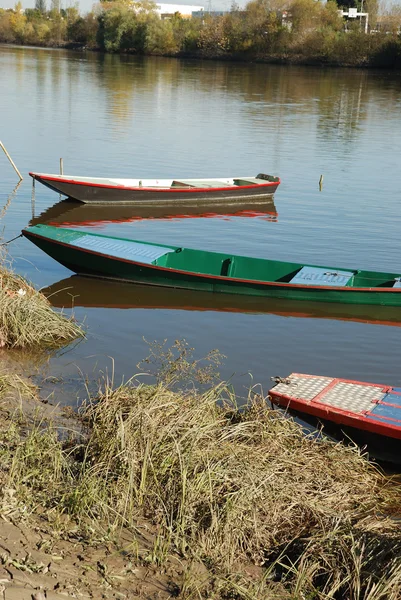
[[154, 117]]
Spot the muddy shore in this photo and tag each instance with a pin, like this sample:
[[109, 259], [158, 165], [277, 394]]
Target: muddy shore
[[294, 517]]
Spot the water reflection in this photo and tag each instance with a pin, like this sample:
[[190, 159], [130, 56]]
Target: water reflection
[[342, 109], [341, 99], [69, 213], [114, 115], [10, 197], [96, 293]]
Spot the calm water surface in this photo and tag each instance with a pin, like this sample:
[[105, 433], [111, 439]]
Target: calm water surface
[[150, 117]]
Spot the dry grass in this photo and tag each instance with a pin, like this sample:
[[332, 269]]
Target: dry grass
[[27, 319], [268, 512]]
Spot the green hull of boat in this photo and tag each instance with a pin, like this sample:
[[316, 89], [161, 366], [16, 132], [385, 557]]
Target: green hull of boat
[[170, 266]]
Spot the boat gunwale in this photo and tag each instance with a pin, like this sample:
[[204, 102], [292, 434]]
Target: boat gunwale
[[280, 284], [42, 176], [326, 412]]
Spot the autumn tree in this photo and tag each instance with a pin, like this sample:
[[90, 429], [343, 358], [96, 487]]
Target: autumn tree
[[18, 22], [6, 32], [391, 18], [40, 6], [212, 40], [124, 25], [263, 24], [82, 30]]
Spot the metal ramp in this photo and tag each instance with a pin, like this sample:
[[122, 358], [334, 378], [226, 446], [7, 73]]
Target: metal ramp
[[127, 250], [350, 396], [320, 276]]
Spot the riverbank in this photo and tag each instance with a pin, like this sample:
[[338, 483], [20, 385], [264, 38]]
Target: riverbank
[[154, 493], [385, 55], [307, 34]]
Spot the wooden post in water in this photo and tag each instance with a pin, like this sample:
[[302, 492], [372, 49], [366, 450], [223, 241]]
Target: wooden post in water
[[321, 183], [33, 198], [11, 160], [61, 171]]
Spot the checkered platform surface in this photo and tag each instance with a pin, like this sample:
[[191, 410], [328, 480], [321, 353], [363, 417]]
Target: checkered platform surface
[[303, 387], [355, 397], [143, 253]]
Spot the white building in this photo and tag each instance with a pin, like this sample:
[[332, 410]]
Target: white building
[[185, 10]]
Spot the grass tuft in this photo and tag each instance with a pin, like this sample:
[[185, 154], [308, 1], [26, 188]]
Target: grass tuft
[[27, 319]]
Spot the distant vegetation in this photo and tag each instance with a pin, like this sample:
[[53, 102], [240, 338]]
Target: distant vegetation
[[305, 32]]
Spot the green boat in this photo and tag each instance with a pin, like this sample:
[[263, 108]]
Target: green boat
[[109, 257]]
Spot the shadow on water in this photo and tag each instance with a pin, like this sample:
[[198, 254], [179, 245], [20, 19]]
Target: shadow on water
[[69, 212], [381, 450], [97, 293]]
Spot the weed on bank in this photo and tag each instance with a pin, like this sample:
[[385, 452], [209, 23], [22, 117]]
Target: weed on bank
[[247, 504], [27, 319]]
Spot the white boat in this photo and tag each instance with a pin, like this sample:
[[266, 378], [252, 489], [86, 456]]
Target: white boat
[[100, 190]]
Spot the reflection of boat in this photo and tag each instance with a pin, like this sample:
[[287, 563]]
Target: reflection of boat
[[102, 190], [366, 413], [170, 266], [98, 293], [70, 213]]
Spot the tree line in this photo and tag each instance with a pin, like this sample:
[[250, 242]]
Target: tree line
[[299, 31]]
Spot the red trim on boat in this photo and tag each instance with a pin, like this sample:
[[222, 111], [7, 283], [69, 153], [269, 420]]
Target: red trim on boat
[[339, 417], [152, 189], [390, 404], [385, 418]]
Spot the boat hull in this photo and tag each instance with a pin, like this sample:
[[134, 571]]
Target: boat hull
[[113, 194], [98, 264]]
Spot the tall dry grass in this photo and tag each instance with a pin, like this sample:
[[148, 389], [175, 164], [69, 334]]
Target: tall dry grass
[[268, 512], [27, 319]]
